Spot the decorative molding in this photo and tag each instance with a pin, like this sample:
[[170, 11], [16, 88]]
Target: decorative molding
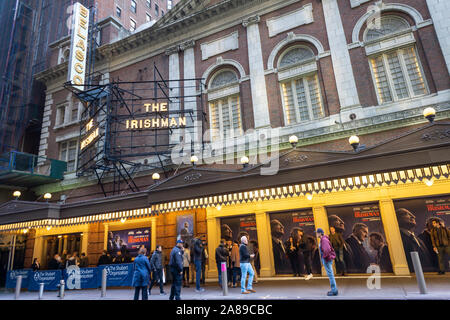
[[296, 158], [223, 92], [251, 20], [192, 177], [187, 44], [390, 43], [297, 70], [291, 20], [219, 62], [418, 19], [436, 135], [357, 3], [172, 50], [221, 45]]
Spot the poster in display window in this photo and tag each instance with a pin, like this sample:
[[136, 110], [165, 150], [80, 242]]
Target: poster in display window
[[294, 245], [185, 228], [415, 220], [359, 238], [128, 241]]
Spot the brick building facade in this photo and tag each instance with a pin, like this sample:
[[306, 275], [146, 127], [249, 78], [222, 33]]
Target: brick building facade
[[319, 70]]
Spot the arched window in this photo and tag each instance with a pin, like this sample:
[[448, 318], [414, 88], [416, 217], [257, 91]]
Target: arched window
[[393, 59], [297, 73], [224, 105]]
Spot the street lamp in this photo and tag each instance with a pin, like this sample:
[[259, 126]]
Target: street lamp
[[245, 161], [194, 160], [293, 140], [47, 196], [17, 194], [354, 142], [156, 176], [430, 114]]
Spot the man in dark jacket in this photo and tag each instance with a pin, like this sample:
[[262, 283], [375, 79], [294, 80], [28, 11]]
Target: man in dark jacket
[[377, 242], [198, 249], [104, 258], [55, 263], [221, 256], [407, 224], [157, 270], [361, 258], [327, 255], [425, 236], [204, 260], [176, 269], [280, 257], [440, 238]]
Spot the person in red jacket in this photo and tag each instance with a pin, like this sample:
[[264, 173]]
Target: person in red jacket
[[327, 255]]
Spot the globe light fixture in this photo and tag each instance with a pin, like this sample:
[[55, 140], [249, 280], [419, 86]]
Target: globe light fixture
[[354, 142], [245, 161], [430, 114], [47, 196], [293, 140], [156, 176], [194, 160], [17, 194]]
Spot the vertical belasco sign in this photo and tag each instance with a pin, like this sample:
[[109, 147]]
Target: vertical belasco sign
[[78, 49]]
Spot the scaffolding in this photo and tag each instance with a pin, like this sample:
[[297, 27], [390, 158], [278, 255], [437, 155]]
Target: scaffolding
[[117, 152]]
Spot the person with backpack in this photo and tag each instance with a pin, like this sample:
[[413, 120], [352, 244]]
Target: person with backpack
[[327, 255]]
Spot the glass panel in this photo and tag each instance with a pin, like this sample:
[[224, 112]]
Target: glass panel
[[226, 121], [213, 107], [386, 25], [301, 100], [397, 76], [296, 55], [314, 93], [71, 166], [289, 107], [74, 115], [382, 83], [224, 78], [414, 73], [236, 114]]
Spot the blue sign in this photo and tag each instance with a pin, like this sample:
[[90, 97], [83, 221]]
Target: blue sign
[[50, 278], [11, 278], [81, 278], [117, 275]]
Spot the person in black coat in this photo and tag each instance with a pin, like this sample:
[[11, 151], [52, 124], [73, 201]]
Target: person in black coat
[[55, 263], [156, 265], [383, 259], [176, 269], [221, 256], [280, 257], [361, 258], [104, 258], [36, 265], [407, 224]]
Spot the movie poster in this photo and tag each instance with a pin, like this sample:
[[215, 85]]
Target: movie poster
[[414, 218], [185, 228], [293, 242], [363, 235], [129, 240], [232, 229]]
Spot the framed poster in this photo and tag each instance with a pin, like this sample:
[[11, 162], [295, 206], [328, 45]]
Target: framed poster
[[185, 228], [364, 239], [129, 240], [286, 228], [233, 228], [415, 218]]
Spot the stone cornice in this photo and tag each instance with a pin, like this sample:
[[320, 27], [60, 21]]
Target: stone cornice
[[53, 73], [251, 20]]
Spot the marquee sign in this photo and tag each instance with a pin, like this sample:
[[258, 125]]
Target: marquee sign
[[160, 120], [78, 48]]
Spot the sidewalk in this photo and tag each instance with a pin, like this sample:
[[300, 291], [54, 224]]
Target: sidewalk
[[392, 288]]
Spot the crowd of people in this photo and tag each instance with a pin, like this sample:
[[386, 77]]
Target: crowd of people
[[58, 262]]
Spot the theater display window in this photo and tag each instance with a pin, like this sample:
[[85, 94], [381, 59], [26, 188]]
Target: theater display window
[[360, 235]]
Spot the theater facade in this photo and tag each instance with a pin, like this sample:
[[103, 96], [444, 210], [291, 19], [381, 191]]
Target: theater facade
[[269, 71]]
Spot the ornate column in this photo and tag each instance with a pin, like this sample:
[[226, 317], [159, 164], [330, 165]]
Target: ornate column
[[393, 237], [343, 71], [438, 10], [264, 244], [257, 77], [174, 74]]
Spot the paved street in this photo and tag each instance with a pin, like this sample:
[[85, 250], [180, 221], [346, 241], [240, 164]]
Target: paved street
[[392, 288]]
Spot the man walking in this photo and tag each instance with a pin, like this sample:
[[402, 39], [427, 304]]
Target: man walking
[[157, 270], [327, 255], [246, 266], [440, 238], [176, 269]]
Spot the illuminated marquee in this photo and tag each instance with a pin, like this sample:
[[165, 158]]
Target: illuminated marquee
[[156, 122], [91, 137], [78, 49]]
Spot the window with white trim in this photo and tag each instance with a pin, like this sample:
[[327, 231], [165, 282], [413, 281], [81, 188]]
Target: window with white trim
[[133, 6], [224, 105], [395, 65], [60, 115], [132, 25], [300, 89], [68, 152]]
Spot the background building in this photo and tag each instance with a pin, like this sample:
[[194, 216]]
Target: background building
[[320, 71]]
